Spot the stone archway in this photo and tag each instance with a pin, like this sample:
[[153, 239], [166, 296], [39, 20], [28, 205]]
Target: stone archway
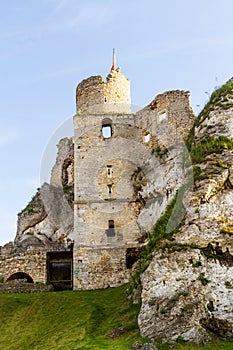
[[20, 276]]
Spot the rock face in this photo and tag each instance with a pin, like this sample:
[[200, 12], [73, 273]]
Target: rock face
[[48, 218], [187, 290]]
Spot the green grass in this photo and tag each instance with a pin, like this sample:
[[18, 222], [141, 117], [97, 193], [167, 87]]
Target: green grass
[[209, 145], [68, 320], [72, 320], [219, 98]]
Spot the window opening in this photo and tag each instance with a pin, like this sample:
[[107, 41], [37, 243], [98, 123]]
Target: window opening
[[109, 189], [106, 131], [163, 116], [109, 170], [111, 224], [147, 138], [111, 228], [107, 128]]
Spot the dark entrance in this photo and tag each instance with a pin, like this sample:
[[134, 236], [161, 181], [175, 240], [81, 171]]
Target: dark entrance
[[20, 276], [59, 270]]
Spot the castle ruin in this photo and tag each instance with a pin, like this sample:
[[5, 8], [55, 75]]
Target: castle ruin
[[111, 167]]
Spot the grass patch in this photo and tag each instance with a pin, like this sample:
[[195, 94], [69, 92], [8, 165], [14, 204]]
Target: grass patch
[[219, 98], [209, 145], [76, 320], [30, 208], [102, 319]]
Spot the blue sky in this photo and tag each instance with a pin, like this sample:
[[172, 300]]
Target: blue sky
[[49, 46]]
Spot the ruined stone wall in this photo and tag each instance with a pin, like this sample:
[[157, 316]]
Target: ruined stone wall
[[168, 118], [20, 286], [93, 95], [112, 173], [32, 263], [100, 268]]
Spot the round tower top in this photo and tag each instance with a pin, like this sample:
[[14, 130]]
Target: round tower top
[[95, 96]]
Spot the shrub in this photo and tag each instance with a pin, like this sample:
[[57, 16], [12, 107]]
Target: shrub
[[204, 281], [228, 284]]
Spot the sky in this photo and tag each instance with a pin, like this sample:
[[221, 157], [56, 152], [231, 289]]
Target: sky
[[49, 46]]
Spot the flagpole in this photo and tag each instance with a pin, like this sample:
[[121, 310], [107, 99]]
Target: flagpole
[[113, 60]]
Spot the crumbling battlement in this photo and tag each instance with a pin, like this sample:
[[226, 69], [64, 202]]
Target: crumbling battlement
[[95, 96], [162, 101], [168, 117]]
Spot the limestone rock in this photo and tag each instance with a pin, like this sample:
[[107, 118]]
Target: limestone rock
[[48, 218], [187, 290]]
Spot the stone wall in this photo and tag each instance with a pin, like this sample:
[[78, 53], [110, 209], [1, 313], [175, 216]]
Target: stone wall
[[168, 117], [31, 263], [112, 173], [100, 268], [93, 95], [20, 286]]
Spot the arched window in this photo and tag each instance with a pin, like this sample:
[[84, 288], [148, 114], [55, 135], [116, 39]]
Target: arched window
[[107, 128]]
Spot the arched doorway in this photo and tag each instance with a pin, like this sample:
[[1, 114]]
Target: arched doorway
[[20, 276]]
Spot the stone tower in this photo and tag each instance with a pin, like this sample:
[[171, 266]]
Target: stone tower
[[105, 225]]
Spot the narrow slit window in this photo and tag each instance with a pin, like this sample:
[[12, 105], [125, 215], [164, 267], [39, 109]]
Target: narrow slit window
[[109, 170], [109, 189]]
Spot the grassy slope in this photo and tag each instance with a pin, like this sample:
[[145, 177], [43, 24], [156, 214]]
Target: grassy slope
[[67, 320], [73, 320]]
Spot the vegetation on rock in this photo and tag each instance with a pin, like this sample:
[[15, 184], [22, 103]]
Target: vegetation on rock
[[30, 208]]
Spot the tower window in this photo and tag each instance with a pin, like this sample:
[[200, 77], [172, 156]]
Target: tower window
[[147, 138], [163, 116], [111, 228], [106, 131], [109, 189], [109, 170], [107, 128]]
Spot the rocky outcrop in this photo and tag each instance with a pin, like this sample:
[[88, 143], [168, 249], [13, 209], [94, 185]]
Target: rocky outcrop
[[48, 218], [187, 289]]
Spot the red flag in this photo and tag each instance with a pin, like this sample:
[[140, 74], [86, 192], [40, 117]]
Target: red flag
[[113, 60]]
